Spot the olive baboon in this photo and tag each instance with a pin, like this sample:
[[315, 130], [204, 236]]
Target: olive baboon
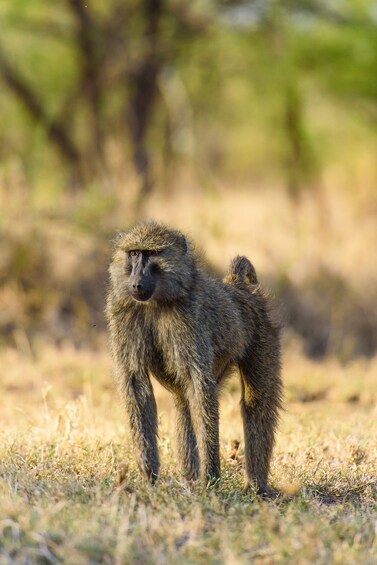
[[170, 318]]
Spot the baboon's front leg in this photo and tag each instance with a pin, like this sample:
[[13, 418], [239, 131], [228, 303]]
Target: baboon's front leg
[[187, 449], [140, 404], [203, 402]]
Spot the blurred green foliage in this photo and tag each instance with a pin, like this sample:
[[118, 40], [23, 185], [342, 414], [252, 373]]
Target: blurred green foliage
[[229, 86], [280, 95]]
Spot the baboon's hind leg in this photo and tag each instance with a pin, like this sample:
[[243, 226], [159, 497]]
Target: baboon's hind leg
[[187, 449], [260, 403]]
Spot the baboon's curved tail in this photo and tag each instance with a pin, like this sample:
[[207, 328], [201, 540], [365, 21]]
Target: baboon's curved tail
[[241, 271]]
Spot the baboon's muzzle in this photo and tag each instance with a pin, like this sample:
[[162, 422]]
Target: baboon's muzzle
[[142, 287]]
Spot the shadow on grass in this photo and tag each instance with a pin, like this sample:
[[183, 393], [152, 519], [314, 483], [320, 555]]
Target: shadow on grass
[[329, 494], [364, 493]]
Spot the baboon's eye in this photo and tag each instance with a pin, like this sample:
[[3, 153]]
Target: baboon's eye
[[152, 252], [134, 253]]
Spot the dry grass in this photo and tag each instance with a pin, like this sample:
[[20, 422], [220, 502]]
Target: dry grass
[[64, 449], [70, 491]]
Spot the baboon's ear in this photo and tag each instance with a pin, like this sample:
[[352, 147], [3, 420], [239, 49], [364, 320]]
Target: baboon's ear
[[182, 241], [116, 240]]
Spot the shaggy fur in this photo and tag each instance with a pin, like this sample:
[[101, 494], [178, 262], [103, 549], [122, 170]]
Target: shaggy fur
[[189, 335]]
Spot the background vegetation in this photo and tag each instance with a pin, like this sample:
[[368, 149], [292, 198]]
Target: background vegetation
[[251, 126]]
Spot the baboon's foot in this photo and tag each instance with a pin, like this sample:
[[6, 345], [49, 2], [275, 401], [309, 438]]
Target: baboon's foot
[[210, 479], [150, 474], [262, 491], [190, 473]]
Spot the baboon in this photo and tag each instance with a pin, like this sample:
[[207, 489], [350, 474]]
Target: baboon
[[168, 317]]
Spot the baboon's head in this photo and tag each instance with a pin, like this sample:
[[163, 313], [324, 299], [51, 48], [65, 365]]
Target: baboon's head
[[152, 263]]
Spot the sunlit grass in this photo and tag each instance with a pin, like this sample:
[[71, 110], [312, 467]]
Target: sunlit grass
[[64, 449], [70, 490]]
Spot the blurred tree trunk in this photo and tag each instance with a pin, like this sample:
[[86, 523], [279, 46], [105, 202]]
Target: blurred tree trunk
[[294, 137], [144, 90], [301, 166], [299, 161], [90, 44]]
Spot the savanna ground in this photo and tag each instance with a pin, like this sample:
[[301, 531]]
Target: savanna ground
[[70, 490], [254, 126]]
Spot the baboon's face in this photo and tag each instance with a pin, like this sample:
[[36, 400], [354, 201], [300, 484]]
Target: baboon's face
[[143, 273], [152, 264]]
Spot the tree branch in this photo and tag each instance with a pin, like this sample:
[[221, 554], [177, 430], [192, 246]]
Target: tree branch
[[56, 131]]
